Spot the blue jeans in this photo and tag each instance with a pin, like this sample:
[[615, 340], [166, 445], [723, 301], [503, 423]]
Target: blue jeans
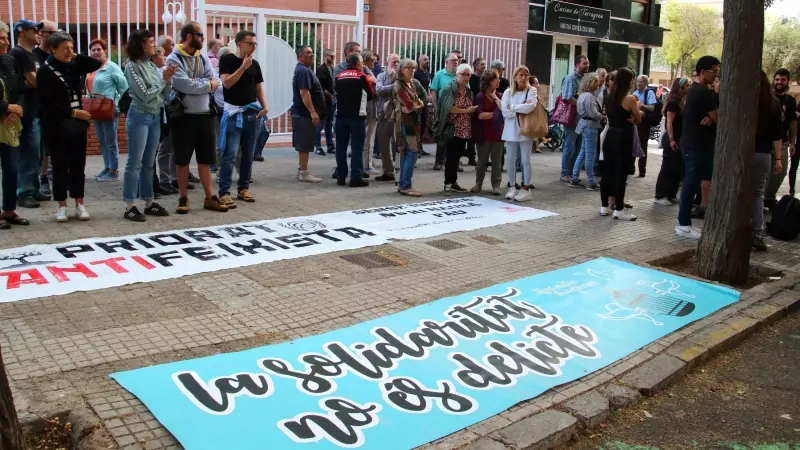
[[691, 185], [9, 162], [350, 131], [568, 150], [407, 165], [588, 147], [327, 125], [107, 136], [234, 138], [263, 136], [30, 157], [144, 132]]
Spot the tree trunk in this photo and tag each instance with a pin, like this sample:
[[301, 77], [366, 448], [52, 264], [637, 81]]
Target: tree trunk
[[723, 253], [10, 433]]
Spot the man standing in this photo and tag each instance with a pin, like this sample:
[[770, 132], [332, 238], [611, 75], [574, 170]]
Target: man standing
[[423, 75], [325, 76], [386, 123], [479, 67], [371, 136], [441, 80], [308, 110], [349, 49], [193, 131], [245, 104], [647, 103], [46, 29], [165, 158], [353, 91], [780, 85], [26, 65], [500, 67], [700, 115], [569, 93]]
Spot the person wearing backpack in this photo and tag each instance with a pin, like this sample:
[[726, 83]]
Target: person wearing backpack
[[651, 108], [589, 124]]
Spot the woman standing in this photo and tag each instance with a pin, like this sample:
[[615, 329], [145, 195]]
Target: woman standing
[[407, 107], [669, 178], [454, 124], [149, 89], [489, 132], [10, 115], [107, 82], [769, 137], [64, 123], [622, 110], [589, 128], [520, 98]]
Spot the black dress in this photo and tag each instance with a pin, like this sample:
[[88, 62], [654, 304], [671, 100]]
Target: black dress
[[617, 153]]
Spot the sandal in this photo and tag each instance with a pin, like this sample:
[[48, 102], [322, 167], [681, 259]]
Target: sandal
[[411, 192], [15, 220]]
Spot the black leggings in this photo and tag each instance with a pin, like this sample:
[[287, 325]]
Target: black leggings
[[455, 148], [793, 171], [69, 163], [617, 149]]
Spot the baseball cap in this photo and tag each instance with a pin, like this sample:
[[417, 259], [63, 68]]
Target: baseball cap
[[25, 24]]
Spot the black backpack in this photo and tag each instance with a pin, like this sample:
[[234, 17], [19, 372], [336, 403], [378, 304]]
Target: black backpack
[[785, 223], [654, 118]]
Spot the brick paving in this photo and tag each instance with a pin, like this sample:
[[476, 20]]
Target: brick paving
[[59, 350]]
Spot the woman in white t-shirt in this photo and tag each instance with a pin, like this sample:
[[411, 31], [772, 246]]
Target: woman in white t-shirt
[[519, 98]]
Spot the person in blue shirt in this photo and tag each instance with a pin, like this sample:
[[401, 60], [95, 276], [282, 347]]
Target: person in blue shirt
[[647, 103], [107, 82]]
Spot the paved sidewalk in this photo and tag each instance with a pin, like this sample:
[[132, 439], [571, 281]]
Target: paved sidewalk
[[59, 350]]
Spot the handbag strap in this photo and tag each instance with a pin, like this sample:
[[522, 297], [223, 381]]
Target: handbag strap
[[74, 99]]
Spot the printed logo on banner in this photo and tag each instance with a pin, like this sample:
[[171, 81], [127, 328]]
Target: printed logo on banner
[[87, 264], [434, 369]]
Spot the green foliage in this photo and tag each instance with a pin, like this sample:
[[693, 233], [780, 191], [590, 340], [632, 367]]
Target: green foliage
[[437, 51], [694, 31], [296, 35], [780, 47]]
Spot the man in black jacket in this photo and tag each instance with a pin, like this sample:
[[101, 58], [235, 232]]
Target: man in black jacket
[[353, 91], [325, 75]]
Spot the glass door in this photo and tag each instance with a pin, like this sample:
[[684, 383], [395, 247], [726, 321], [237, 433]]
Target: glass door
[[564, 53]]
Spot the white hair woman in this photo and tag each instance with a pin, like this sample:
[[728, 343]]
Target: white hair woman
[[454, 125], [407, 108], [589, 129], [520, 98]]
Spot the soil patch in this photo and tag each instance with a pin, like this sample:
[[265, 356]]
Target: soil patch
[[688, 266], [56, 435]]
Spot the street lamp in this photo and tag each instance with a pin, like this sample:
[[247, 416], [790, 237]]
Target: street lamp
[[173, 13]]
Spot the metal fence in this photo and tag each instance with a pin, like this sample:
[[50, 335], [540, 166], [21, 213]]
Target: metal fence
[[412, 43]]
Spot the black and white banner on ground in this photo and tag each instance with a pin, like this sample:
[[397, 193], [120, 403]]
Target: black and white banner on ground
[[88, 264]]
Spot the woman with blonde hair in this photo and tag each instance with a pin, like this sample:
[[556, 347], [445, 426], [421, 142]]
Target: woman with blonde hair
[[519, 98], [589, 128]]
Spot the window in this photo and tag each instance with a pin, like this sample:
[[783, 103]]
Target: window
[[639, 11], [634, 59]]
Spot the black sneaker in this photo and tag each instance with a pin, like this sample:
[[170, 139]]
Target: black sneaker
[[258, 158], [28, 202], [319, 151], [358, 182], [424, 153], [576, 183], [385, 177], [189, 185], [193, 179], [456, 188], [364, 175], [699, 213], [156, 210], [40, 197], [472, 162], [335, 174], [758, 244], [167, 189], [437, 166], [134, 215], [460, 167]]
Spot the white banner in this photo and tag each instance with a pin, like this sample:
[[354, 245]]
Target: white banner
[[87, 264]]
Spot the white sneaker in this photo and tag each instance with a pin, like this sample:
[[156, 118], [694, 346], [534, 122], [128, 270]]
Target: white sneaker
[[604, 211], [523, 195], [512, 192], [308, 177], [624, 215], [82, 213], [61, 214], [687, 232], [662, 201]]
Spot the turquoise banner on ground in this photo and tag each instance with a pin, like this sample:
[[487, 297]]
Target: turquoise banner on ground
[[403, 380]]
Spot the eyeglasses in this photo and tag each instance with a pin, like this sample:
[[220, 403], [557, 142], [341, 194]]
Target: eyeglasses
[[250, 43], [199, 34]]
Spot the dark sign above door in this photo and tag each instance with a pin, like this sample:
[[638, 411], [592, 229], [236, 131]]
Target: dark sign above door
[[578, 20]]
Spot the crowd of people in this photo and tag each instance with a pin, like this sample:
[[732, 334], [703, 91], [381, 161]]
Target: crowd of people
[[207, 102]]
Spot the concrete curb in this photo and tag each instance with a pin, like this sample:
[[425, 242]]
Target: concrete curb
[[557, 416]]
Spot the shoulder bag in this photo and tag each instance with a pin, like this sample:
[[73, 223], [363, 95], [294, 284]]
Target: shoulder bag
[[9, 134], [565, 112], [100, 107], [534, 124]]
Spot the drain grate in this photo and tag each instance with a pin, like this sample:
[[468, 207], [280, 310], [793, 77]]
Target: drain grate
[[488, 240], [370, 260], [445, 244]]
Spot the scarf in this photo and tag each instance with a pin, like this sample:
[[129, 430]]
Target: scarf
[[64, 68]]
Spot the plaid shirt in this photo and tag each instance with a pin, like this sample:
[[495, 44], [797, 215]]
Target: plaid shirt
[[569, 89]]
